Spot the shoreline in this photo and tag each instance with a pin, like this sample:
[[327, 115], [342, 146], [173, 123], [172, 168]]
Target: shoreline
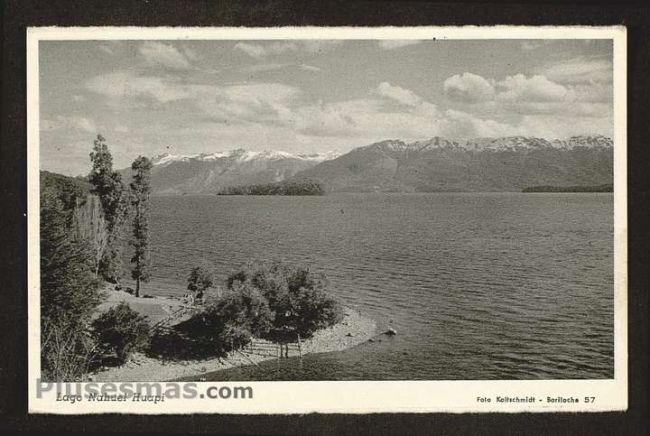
[[353, 330]]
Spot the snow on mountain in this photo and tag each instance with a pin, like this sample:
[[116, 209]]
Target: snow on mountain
[[509, 143], [242, 156], [434, 164], [320, 157], [480, 164]]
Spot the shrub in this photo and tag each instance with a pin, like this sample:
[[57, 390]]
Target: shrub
[[245, 308], [298, 298], [228, 322], [200, 279], [121, 330], [66, 351]]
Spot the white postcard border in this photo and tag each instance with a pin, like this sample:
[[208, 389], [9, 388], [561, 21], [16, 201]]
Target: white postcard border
[[350, 396]]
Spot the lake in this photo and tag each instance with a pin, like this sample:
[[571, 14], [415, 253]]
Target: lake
[[477, 285]]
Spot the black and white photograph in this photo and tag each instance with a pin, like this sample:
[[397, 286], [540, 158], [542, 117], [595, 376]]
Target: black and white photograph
[[329, 209]]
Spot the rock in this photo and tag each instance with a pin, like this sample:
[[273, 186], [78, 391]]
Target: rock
[[349, 335], [390, 332]]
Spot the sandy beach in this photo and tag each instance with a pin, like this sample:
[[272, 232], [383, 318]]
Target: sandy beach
[[353, 330]]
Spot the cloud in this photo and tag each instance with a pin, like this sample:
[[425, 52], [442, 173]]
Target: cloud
[[469, 88], [259, 51], [159, 54], [554, 127], [275, 110], [412, 117], [253, 50], [250, 102], [264, 67], [458, 124], [125, 84], [390, 44], [398, 94], [309, 68], [278, 66], [531, 89], [522, 95], [579, 70], [72, 122]]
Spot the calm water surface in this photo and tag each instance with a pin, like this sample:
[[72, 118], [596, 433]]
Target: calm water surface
[[478, 286]]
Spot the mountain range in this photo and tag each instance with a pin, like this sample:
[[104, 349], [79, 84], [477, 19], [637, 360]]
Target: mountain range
[[433, 165], [209, 173]]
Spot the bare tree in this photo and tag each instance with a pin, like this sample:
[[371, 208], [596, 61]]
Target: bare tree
[[89, 224]]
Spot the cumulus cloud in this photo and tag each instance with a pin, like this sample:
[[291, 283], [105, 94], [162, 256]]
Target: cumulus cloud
[[398, 94], [469, 88], [531, 89], [159, 54], [520, 95], [390, 44], [387, 110], [460, 124]]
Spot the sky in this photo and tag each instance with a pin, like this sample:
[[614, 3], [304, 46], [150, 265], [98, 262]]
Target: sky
[[306, 96]]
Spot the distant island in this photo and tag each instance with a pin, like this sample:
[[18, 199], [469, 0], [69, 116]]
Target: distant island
[[287, 187], [595, 188]]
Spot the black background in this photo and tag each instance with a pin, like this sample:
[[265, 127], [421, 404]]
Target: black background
[[18, 15]]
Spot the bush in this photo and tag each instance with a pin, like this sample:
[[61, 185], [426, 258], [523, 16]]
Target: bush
[[200, 279], [298, 298], [244, 308], [121, 330], [273, 301], [66, 351], [228, 322]]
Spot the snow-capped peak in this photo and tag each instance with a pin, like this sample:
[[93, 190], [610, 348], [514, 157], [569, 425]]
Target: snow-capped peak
[[167, 158], [243, 156], [320, 157]]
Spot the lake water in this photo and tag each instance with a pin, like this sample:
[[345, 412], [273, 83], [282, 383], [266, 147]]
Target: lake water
[[478, 286]]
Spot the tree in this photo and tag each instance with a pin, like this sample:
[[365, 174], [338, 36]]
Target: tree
[[140, 191], [69, 289], [226, 323], [89, 225], [200, 279], [107, 185], [121, 330], [298, 298]]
